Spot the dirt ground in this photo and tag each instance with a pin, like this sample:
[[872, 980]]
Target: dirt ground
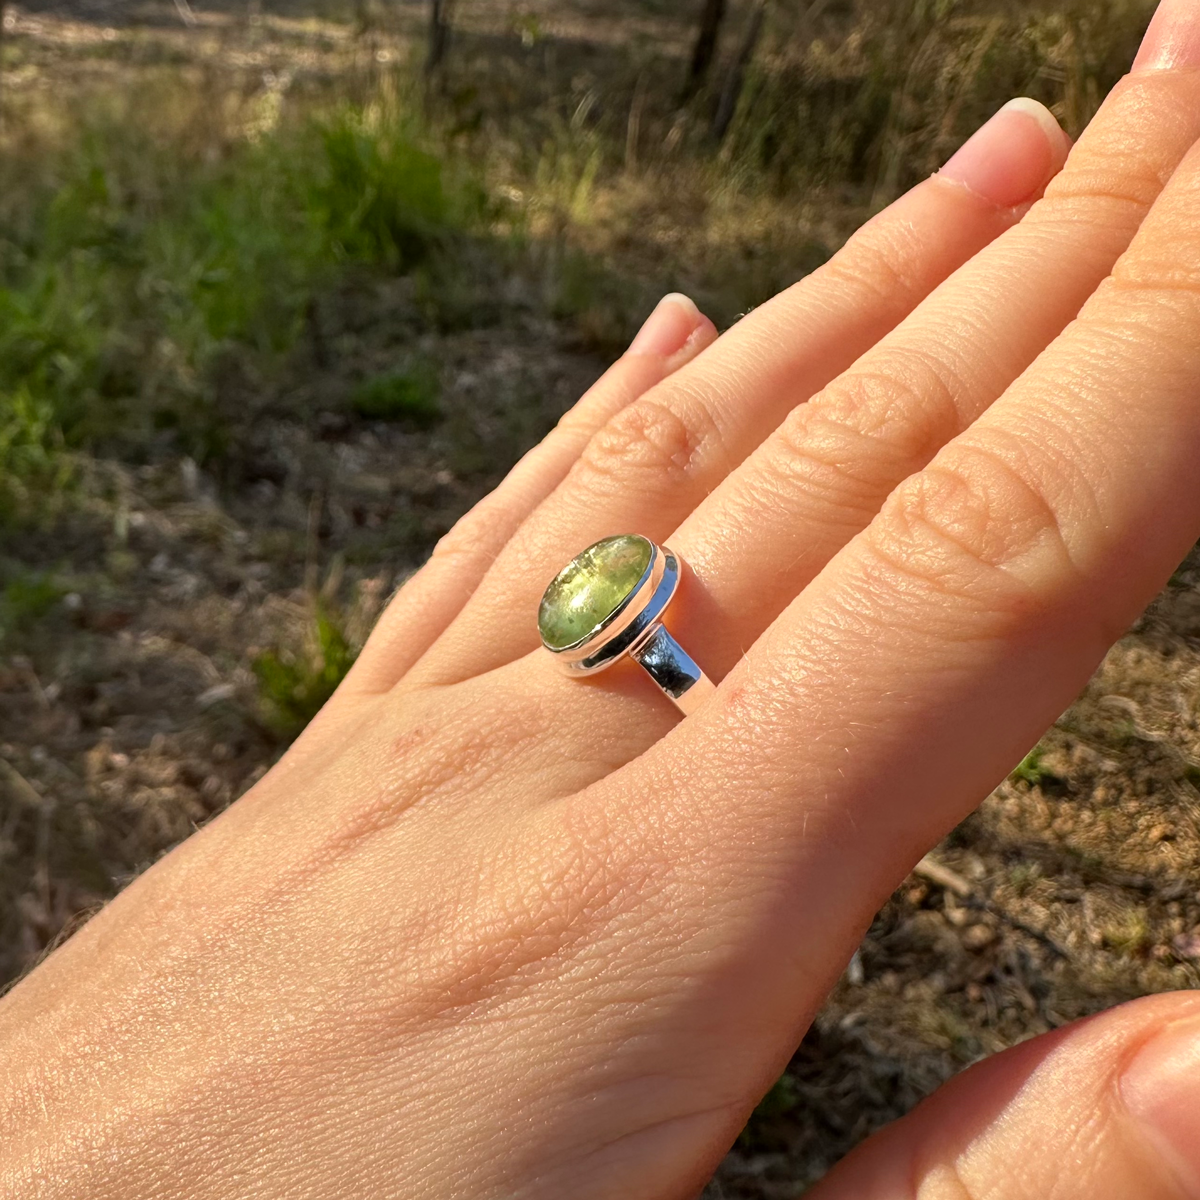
[[130, 712]]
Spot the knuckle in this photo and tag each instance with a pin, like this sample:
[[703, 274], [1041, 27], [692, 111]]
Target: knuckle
[[908, 400], [1153, 291], [652, 438], [472, 536], [941, 1180], [579, 419], [868, 430], [1163, 268], [977, 524], [1113, 178], [818, 456], [1115, 161], [879, 261]]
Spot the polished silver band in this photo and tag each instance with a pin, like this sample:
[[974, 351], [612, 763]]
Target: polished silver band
[[672, 668], [636, 629]]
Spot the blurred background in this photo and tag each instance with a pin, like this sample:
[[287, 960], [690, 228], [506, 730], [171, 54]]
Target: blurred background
[[286, 285]]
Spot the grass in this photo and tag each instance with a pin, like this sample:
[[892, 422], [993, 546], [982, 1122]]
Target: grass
[[147, 228], [26, 597], [1127, 931], [131, 266], [410, 394], [1031, 768], [294, 684]]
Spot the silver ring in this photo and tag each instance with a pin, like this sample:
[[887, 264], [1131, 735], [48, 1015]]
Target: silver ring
[[609, 601]]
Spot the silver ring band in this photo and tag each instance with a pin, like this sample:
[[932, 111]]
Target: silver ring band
[[609, 601], [674, 670]]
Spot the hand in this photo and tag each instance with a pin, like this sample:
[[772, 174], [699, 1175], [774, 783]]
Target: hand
[[487, 931]]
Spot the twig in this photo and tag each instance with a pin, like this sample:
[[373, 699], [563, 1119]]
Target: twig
[[942, 876], [441, 13], [932, 870], [184, 9], [633, 126]]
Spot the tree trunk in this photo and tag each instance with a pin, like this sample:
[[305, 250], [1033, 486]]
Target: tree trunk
[[3, 13], [440, 12], [736, 80], [705, 49]]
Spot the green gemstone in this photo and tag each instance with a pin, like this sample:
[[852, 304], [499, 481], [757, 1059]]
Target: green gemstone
[[590, 588]]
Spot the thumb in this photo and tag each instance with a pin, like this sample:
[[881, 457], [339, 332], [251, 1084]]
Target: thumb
[[1106, 1109]]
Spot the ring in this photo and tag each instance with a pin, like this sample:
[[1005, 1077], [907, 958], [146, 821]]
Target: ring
[[609, 601]]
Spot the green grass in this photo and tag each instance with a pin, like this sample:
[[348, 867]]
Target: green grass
[[295, 684], [410, 394], [26, 597], [1127, 931], [148, 228], [131, 266], [383, 198], [1031, 770]]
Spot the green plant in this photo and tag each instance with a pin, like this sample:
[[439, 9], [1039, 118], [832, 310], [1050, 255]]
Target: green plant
[[379, 196], [1030, 769], [761, 1132], [1127, 930], [781, 1099], [408, 394], [25, 598], [294, 685], [27, 435], [1023, 876], [134, 263]]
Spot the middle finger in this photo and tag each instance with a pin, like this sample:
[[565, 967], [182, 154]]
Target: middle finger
[[772, 525]]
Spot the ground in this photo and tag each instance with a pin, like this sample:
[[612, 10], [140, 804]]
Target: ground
[[172, 617]]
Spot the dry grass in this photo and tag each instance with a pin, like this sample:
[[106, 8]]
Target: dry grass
[[191, 485]]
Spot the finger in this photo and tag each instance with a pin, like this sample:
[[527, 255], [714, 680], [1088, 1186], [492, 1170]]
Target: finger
[[819, 479], [674, 334], [1107, 1109], [650, 466], [900, 687]]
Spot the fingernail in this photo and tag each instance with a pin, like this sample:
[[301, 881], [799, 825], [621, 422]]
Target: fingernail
[[1161, 1091], [668, 327], [1013, 156], [1173, 39]]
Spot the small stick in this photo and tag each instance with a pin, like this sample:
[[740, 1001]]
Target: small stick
[[936, 873], [932, 870]]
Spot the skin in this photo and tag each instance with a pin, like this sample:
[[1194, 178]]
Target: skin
[[488, 931]]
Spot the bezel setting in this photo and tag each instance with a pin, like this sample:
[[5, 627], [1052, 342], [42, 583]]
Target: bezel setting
[[630, 624]]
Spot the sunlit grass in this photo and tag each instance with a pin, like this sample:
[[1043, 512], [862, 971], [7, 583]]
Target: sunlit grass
[[154, 218], [134, 257]]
